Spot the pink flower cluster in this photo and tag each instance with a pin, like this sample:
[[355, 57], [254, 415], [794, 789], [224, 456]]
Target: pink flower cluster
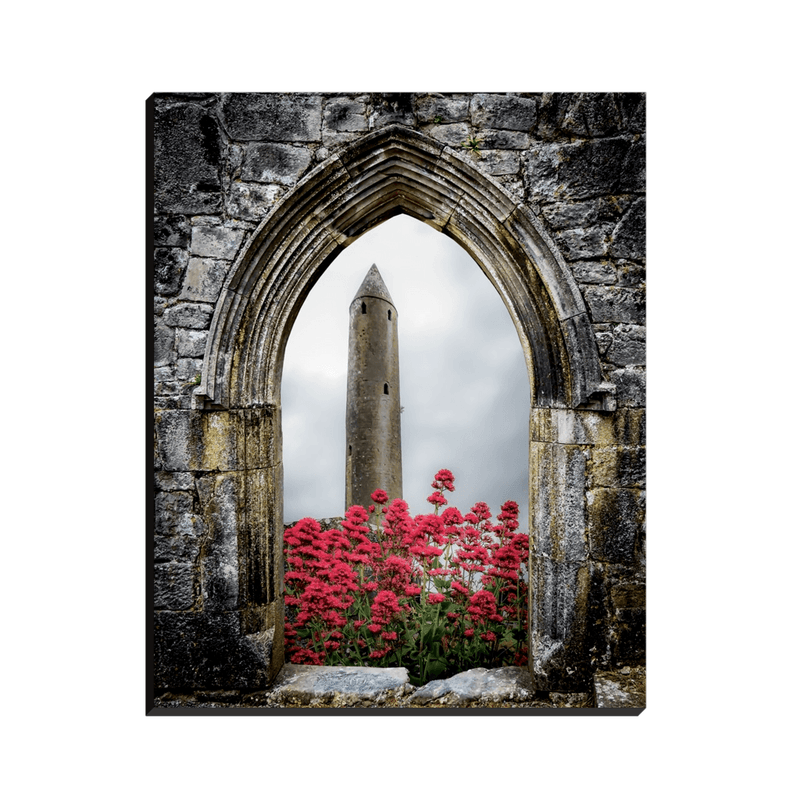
[[437, 593]]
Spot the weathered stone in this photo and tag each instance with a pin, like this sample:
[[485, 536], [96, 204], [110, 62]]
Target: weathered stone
[[616, 517], [171, 231], [499, 162], [628, 595], [614, 304], [584, 213], [275, 117], [176, 548], [216, 241], [629, 237], [174, 481], [594, 272], [275, 163], [438, 109], [633, 177], [190, 343], [558, 619], [479, 685], [187, 369], [343, 114], [564, 115], [632, 106], [221, 501], [339, 686], [575, 170], [582, 243], [189, 315], [625, 427], [505, 140], [175, 515], [504, 111], [558, 477], [629, 345], [604, 340], [613, 689], [186, 158], [453, 134], [199, 440], [164, 339], [170, 265], [391, 108], [631, 274], [628, 641], [251, 201], [209, 650], [631, 388], [174, 586], [618, 466], [204, 279]]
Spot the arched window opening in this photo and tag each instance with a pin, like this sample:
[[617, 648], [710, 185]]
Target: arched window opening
[[389, 311], [363, 308], [386, 388], [463, 384]]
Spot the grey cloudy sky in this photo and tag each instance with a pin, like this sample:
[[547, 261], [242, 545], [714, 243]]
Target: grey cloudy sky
[[463, 382]]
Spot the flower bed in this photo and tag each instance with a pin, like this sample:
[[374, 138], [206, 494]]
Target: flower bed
[[437, 593]]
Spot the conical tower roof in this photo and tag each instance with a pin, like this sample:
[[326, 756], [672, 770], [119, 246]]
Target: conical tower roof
[[373, 286]]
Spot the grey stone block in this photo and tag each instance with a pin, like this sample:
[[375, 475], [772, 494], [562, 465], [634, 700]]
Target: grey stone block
[[189, 315], [251, 201], [451, 134], [505, 140], [176, 548], [216, 241], [577, 170], [631, 274], [205, 650], [164, 340], [344, 114], [616, 517], [190, 343], [499, 162], [438, 109], [479, 685], [619, 466], [276, 117], [275, 163], [583, 243], [174, 586], [506, 112], [633, 177], [631, 386], [204, 279], [629, 346], [621, 688], [615, 304], [170, 265], [171, 231], [629, 237], [583, 213], [602, 272], [187, 153], [298, 684]]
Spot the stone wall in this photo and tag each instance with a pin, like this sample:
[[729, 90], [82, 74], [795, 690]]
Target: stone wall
[[573, 165]]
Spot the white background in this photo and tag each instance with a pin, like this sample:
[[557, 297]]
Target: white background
[[722, 293]]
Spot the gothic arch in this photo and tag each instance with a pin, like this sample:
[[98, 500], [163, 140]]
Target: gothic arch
[[392, 171]]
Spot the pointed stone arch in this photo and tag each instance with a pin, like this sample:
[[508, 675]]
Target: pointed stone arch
[[397, 170], [392, 171]]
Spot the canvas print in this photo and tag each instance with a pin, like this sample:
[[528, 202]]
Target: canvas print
[[399, 403]]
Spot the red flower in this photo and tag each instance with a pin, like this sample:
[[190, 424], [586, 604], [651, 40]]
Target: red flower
[[435, 597], [379, 496]]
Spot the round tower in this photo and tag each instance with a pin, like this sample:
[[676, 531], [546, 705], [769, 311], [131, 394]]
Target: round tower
[[373, 396]]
